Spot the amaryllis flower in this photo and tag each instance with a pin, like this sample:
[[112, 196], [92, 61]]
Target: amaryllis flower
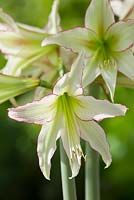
[[21, 43], [105, 42], [67, 114]]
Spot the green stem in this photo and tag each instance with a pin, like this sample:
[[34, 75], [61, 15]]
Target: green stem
[[92, 175], [92, 185], [68, 185]]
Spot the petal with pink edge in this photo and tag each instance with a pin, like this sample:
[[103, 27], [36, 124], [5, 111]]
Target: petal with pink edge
[[95, 136], [71, 82], [46, 147], [37, 112], [120, 36], [88, 108], [99, 16], [75, 39]]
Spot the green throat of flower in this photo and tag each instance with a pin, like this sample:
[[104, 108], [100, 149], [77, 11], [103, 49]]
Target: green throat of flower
[[103, 53], [66, 105]]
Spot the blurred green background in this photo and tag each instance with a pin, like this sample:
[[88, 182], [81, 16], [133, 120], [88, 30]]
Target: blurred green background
[[20, 176]]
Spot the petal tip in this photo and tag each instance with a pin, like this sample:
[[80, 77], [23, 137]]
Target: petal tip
[[108, 164]]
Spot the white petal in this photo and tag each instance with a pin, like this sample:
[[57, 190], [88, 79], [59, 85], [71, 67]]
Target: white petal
[[9, 21], [31, 31], [37, 112], [53, 25], [125, 63], [75, 39], [72, 81], [99, 16], [11, 67], [122, 8], [15, 44], [109, 74], [89, 108], [16, 65], [47, 145], [120, 36], [94, 134], [71, 143], [91, 72]]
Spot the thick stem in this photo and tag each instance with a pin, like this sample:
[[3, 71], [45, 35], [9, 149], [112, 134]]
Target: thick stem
[[92, 191], [92, 185], [68, 185]]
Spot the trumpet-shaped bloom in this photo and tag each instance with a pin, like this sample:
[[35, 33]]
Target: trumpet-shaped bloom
[[13, 86], [67, 114], [22, 43], [105, 42]]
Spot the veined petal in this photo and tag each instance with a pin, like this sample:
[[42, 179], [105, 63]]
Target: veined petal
[[125, 63], [99, 16], [37, 112], [73, 150], [15, 65], [9, 21], [76, 39], [11, 66], [88, 108], [17, 45], [11, 86], [71, 143], [91, 71], [94, 134], [109, 74], [46, 147], [53, 25], [32, 32], [120, 36], [71, 82]]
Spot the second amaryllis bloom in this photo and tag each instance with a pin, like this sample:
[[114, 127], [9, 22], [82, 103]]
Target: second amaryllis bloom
[[106, 43], [69, 115]]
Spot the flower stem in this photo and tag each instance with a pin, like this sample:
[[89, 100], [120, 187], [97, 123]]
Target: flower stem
[[92, 175], [92, 185], [68, 185]]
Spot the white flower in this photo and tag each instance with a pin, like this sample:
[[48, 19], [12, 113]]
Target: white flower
[[68, 115], [21, 43], [106, 43]]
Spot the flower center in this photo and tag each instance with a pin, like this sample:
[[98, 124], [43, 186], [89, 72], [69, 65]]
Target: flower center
[[103, 53]]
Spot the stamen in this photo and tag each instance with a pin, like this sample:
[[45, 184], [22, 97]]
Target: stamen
[[77, 153]]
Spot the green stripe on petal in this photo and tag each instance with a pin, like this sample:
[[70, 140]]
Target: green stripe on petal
[[70, 133], [37, 112], [109, 74], [94, 134], [88, 108], [99, 16], [15, 65], [120, 36], [71, 144], [12, 86]]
